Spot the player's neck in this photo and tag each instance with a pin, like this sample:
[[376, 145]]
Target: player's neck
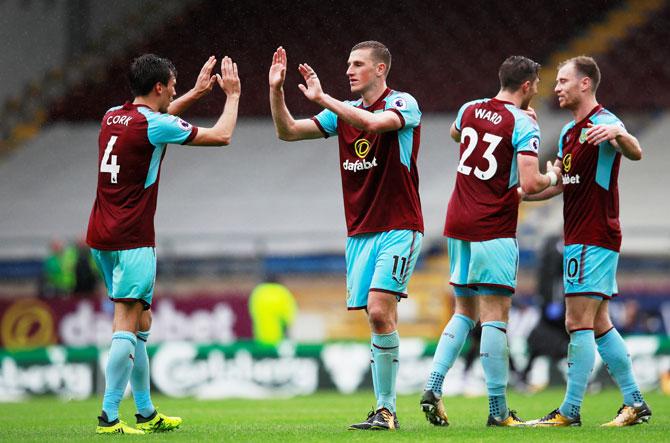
[[146, 101], [507, 96], [584, 108], [372, 95]]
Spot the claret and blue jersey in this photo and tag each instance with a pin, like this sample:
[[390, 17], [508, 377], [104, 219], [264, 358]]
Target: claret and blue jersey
[[590, 184], [380, 181], [484, 204], [131, 147]]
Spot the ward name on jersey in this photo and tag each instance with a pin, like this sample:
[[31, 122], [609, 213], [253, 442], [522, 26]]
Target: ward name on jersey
[[380, 181], [484, 204], [131, 147]]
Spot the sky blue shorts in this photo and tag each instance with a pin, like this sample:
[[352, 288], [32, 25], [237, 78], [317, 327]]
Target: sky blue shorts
[[380, 261], [483, 268], [590, 271], [129, 274]]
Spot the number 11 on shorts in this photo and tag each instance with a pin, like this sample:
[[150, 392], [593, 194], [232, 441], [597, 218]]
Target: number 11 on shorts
[[403, 263]]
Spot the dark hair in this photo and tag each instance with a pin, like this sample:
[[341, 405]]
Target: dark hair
[[147, 70], [586, 67], [516, 70], [378, 50]]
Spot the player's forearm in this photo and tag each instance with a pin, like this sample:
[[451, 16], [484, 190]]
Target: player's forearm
[[356, 117], [281, 116], [181, 104], [546, 194], [629, 146], [225, 125], [536, 183]]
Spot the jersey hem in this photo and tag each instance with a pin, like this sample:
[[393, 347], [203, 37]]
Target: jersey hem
[[480, 239], [532, 154], [123, 247], [352, 233]]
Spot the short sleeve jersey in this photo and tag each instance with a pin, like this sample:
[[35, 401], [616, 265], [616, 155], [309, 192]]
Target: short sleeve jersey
[[131, 147], [380, 181], [484, 204], [590, 184]]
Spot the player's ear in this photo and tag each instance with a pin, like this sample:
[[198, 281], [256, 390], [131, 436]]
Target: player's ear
[[381, 69], [586, 83]]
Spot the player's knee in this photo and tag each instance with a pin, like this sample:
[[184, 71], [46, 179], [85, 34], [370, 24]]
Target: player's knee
[[577, 322], [380, 320]]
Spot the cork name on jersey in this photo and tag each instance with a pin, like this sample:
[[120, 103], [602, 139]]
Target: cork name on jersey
[[491, 116], [118, 120]]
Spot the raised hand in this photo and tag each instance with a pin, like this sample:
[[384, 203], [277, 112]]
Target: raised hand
[[278, 69], [601, 133], [228, 80], [313, 89], [205, 81]]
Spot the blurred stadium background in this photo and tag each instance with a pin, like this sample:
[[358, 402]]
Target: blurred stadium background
[[228, 218]]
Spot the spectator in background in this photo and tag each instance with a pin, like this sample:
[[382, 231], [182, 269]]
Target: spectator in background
[[85, 271], [273, 309], [58, 271]]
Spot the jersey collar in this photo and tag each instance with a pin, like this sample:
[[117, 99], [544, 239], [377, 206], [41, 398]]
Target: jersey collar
[[386, 92], [597, 108]]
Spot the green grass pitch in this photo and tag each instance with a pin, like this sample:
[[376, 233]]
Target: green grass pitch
[[325, 417]]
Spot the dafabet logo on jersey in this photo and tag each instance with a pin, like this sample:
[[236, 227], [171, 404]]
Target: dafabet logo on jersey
[[362, 149], [567, 178]]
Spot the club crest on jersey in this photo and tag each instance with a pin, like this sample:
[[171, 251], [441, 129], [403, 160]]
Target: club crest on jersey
[[567, 163], [582, 135], [362, 147], [399, 103]]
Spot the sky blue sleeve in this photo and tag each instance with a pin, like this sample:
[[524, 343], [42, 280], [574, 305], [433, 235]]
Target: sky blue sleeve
[[166, 128], [526, 135], [406, 106], [605, 117], [327, 120]]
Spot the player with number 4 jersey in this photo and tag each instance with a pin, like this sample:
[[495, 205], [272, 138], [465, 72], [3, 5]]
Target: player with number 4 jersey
[[499, 140], [132, 144]]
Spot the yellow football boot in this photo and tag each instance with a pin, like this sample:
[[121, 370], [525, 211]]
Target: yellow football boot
[[157, 422], [630, 415]]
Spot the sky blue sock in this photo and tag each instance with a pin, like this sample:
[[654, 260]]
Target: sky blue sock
[[385, 349], [581, 358], [613, 350], [494, 356], [117, 373], [450, 345], [373, 371], [140, 377]]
